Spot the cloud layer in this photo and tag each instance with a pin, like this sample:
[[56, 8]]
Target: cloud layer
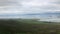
[[29, 6]]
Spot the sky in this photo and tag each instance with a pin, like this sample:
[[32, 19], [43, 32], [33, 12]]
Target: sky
[[29, 6]]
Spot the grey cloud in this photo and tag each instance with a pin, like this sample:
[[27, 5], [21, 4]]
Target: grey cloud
[[50, 7], [19, 7], [41, 8], [47, 7], [8, 2], [55, 2]]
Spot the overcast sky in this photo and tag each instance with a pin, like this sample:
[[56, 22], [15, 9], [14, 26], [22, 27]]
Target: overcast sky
[[29, 6]]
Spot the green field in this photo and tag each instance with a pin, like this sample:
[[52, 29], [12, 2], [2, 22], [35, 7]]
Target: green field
[[28, 26]]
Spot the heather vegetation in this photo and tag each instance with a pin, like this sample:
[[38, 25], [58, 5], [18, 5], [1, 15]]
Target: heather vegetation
[[28, 26]]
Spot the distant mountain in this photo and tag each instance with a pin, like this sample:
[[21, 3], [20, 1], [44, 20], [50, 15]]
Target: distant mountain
[[38, 15], [47, 13]]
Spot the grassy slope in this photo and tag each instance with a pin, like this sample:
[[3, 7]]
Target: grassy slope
[[35, 27], [29, 26]]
